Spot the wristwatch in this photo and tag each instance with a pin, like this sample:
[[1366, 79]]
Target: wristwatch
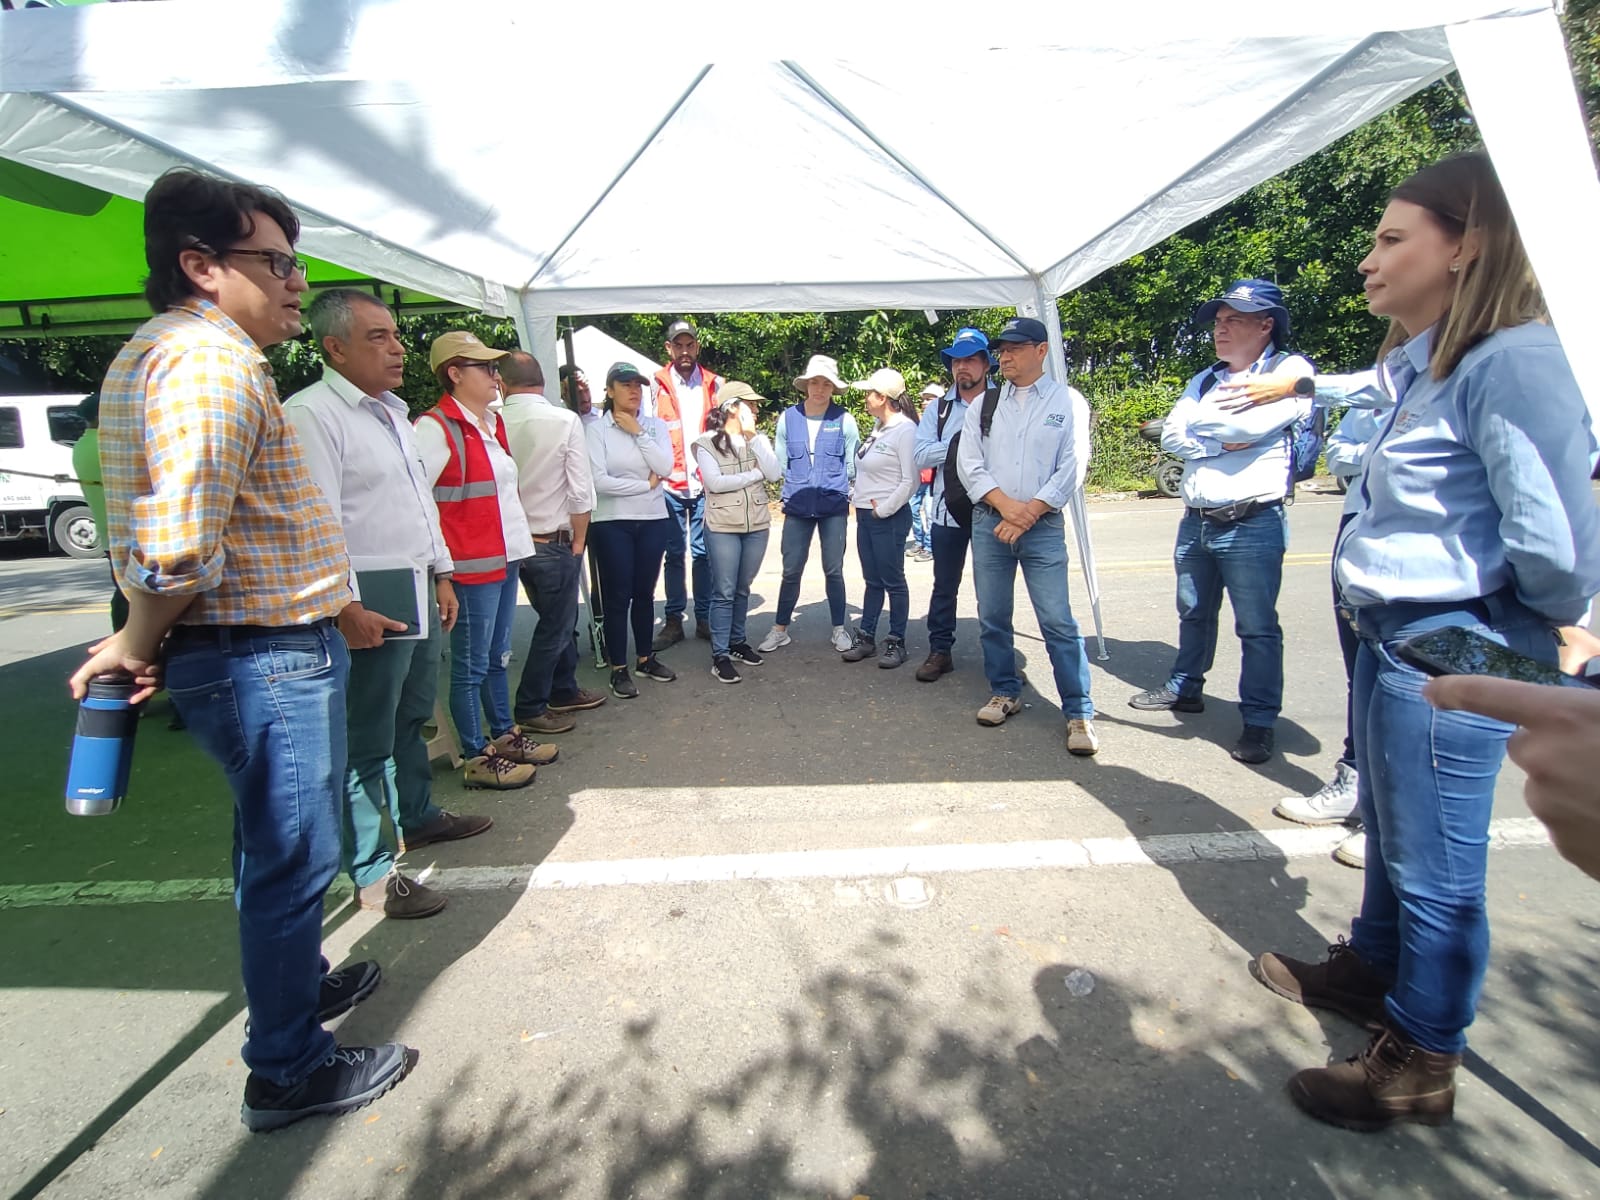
[[1305, 386], [443, 576]]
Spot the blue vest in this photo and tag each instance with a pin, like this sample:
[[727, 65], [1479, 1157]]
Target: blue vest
[[815, 485]]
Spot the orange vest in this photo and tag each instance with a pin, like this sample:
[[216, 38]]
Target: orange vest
[[468, 496], [667, 410]]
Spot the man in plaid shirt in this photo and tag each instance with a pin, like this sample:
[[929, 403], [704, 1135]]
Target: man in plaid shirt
[[235, 571]]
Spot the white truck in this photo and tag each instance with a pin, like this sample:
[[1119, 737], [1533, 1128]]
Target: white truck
[[39, 494]]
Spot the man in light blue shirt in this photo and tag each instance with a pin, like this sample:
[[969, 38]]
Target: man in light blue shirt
[[1236, 474], [1021, 467]]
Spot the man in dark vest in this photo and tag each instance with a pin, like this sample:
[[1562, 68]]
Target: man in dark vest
[[816, 445]]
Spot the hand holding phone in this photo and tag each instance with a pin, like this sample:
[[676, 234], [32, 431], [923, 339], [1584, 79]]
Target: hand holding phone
[[1456, 651]]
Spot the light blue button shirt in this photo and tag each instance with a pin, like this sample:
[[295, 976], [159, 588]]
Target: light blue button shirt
[[1367, 400], [933, 447], [1479, 482], [1036, 450], [1198, 428]]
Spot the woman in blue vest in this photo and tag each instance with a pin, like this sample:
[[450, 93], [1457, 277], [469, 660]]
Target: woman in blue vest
[[1476, 512], [816, 446], [629, 456]]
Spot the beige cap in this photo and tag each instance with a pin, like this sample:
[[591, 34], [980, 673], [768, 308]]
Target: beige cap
[[458, 343], [735, 389], [933, 391], [886, 381]]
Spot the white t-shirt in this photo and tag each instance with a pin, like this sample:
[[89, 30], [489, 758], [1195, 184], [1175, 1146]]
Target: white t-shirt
[[813, 427]]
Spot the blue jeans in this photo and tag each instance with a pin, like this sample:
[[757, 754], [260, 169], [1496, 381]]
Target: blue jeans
[[1042, 555], [627, 554], [269, 706], [1246, 559], [390, 698], [796, 548], [550, 578], [919, 527], [1348, 644], [881, 546], [687, 531], [1427, 788], [950, 544], [480, 650], [734, 559]]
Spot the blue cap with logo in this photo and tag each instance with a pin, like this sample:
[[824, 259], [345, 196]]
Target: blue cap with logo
[[1251, 296], [1023, 329], [969, 342]]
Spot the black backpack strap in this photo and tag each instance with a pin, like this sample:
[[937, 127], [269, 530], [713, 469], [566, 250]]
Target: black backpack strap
[[991, 401], [945, 406]]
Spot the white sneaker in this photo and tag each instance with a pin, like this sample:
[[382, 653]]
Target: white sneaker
[[842, 640], [779, 636], [1333, 804], [1352, 852]]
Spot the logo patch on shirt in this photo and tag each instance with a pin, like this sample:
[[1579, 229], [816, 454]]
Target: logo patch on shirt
[[1055, 420], [1406, 420]]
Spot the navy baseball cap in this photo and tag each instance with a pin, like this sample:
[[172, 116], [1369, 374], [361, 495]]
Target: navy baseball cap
[[1023, 329], [969, 342], [1251, 296]]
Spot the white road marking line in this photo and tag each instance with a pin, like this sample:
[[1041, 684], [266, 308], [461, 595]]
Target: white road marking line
[[1064, 854]]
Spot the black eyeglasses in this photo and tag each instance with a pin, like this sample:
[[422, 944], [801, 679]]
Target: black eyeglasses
[[487, 366], [280, 264]]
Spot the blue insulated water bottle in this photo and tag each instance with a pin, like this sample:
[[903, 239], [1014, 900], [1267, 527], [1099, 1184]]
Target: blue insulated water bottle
[[102, 747]]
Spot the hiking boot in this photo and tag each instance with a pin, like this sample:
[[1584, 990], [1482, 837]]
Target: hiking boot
[[936, 664], [1333, 803], [1352, 852], [580, 699], [702, 629], [671, 633], [1254, 745], [449, 826], [1391, 1081], [723, 670], [1163, 698], [894, 653], [345, 988], [400, 898], [519, 747], [841, 638], [1343, 983], [654, 668], [622, 687], [998, 709], [746, 654], [351, 1077], [549, 723], [777, 636], [862, 647], [498, 773], [1081, 737], [922, 554]]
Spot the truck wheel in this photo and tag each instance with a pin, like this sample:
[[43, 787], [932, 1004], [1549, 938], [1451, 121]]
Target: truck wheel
[[1169, 478], [74, 532]]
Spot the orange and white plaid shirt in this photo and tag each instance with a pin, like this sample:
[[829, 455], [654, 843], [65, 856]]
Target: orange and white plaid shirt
[[206, 491]]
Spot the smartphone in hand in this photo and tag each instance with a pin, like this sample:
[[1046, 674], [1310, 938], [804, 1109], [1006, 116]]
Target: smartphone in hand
[[1455, 651]]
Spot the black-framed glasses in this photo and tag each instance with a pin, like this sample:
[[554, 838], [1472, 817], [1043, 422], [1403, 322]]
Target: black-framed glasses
[[280, 264], [490, 367]]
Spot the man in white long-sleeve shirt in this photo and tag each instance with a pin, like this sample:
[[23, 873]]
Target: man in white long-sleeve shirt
[[359, 448], [1021, 465], [1236, 473]]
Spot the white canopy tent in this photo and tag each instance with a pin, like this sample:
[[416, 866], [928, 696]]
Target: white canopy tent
[[544, 161]]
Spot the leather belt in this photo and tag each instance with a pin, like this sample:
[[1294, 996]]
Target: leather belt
[[561, 537], [1230, 514], [215, 635]]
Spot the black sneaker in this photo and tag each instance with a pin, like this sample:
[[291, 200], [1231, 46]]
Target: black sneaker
[[1162, 698], [746, 653], [345, 988], [723, 671], [1255, 745], [654, 668], [862, 647], [894, 653], [351, 1077], [622, 687]]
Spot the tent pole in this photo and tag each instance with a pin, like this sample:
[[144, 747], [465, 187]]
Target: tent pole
[[1057, 365], [537, 333]]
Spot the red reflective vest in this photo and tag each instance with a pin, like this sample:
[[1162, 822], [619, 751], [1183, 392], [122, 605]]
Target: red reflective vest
[[669, 414], [468, 497]]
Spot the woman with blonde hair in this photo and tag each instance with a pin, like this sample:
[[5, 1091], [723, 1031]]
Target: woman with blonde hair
[[1475, 512]]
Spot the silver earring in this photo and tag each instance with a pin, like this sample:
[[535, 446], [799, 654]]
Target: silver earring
[[1455, 267]]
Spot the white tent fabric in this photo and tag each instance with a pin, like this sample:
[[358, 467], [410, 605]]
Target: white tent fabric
[[574, 159]]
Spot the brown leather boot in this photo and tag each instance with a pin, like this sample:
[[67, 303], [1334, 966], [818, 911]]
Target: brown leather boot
[[1343, 984], [936, 664], [1390, 1081]]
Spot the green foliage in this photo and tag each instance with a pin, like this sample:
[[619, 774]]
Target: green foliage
[[1123, 461]]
